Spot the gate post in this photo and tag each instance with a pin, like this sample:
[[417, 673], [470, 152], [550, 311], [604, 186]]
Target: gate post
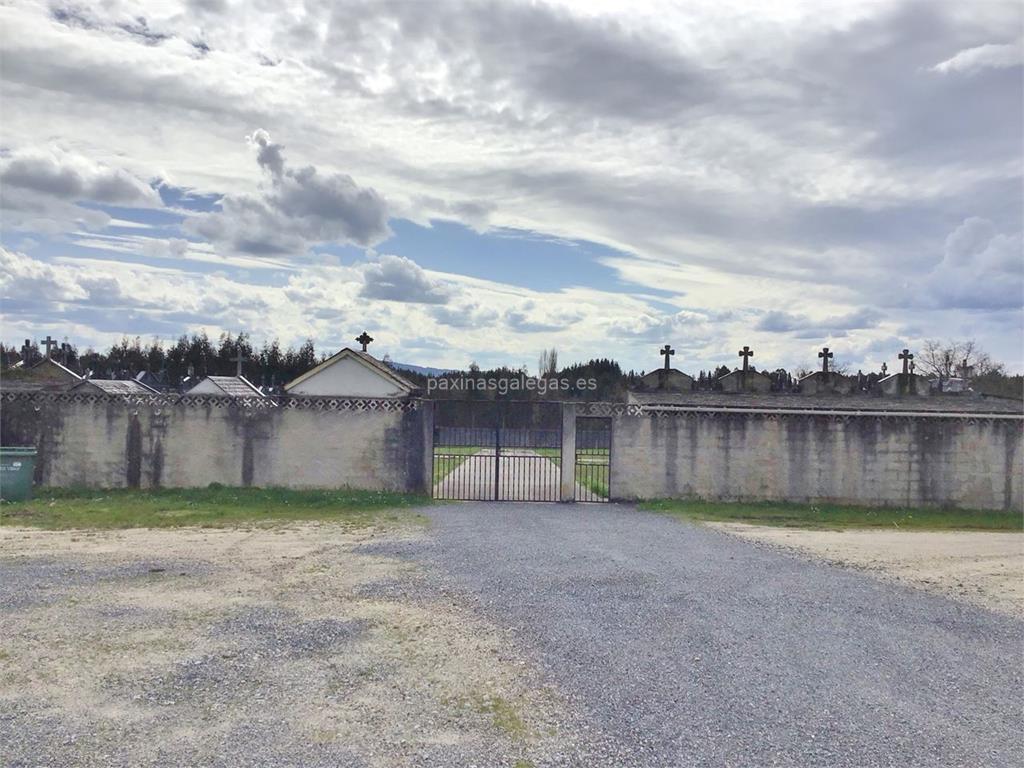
[[568, 484], [427, 420]]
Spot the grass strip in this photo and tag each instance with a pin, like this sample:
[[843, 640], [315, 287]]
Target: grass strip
[[216, 505], [839, 516]]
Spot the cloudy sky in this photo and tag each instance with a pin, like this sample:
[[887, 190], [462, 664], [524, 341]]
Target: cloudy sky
[[481, 180]]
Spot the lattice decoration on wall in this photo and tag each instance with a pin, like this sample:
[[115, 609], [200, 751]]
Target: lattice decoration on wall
[[405, 405], [354, 404], [608, 409], [371, 404]]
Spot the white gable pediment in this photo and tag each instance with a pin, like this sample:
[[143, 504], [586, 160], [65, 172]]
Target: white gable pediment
[[347, 374]]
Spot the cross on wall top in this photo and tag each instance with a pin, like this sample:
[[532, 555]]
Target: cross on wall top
[[906, 357], [365, 339], [238, 359], [825, 355], [745, 353], [49, 343], [667, 352]]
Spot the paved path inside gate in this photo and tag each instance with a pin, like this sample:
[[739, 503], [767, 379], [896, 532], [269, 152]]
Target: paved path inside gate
[[679, 645], [524, 475]]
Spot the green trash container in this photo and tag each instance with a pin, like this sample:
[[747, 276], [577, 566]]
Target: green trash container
[[17, 466]]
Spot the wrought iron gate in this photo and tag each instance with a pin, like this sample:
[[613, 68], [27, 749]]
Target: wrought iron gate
[[593, 458], [497, 450]]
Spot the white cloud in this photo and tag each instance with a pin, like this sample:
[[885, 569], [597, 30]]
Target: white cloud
[[23, 279], [990, 55], [396, 278], [980, 269], [41, 188], [74, 178], [298, 209]]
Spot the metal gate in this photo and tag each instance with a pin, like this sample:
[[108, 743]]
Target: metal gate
[[593, 458], [497, 450]]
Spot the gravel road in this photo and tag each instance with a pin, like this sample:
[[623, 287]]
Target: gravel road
[[522, 635], [681, 645]]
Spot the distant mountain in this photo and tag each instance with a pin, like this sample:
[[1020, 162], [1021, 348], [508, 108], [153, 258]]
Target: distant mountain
[[421, 369]]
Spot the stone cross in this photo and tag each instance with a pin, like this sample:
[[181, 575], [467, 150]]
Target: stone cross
[[238, 359], [364, 338], [906, 357], [964, 370], [824, 355], [26, 352], [667, 352], [885, 370], [745, 353], [49, 343]]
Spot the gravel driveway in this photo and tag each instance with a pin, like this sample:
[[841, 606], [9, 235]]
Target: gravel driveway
[[516, 635], [680, 645]]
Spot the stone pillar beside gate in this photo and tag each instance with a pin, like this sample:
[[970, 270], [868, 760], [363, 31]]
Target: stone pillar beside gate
[[568, 484], [427, 421]]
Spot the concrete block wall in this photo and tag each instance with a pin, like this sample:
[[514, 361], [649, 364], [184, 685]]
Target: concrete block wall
[[110, 444], [973, 462]]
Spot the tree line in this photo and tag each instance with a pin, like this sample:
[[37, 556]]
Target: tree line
[[192, 357], [189, 358]]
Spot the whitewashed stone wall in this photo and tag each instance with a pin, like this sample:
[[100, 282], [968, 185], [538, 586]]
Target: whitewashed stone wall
[[111, 442], [970, 462]]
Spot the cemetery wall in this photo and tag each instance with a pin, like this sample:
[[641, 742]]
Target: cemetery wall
[[110, 442], [965, 461]]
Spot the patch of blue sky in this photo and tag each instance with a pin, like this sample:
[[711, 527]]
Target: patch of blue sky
[[179, 197], [517, 257]]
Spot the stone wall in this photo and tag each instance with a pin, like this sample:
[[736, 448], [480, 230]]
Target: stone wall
[[111, 442], [970, 462], [966, 460]]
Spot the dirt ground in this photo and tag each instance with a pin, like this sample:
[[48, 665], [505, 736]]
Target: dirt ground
[[239, 646], [983, 567]]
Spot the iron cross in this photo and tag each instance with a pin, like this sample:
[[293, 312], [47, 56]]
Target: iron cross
[[745, 353], [824, 355], [238, 359], [906, 357], [667, 351], [49, 343], [364, 338]]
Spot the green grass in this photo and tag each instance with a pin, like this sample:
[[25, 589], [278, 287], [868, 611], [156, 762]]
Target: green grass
[[593, 470], [555, 454], [595, 482], [504, 716], [836, 516], [448, 458], [213, 506]]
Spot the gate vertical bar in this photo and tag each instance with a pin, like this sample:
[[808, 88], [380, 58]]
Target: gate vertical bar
[[427, 409], [567, 486], [497, 451]]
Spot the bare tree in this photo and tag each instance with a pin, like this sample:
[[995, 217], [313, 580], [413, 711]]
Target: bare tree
[[946, 359], [547, 365]]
